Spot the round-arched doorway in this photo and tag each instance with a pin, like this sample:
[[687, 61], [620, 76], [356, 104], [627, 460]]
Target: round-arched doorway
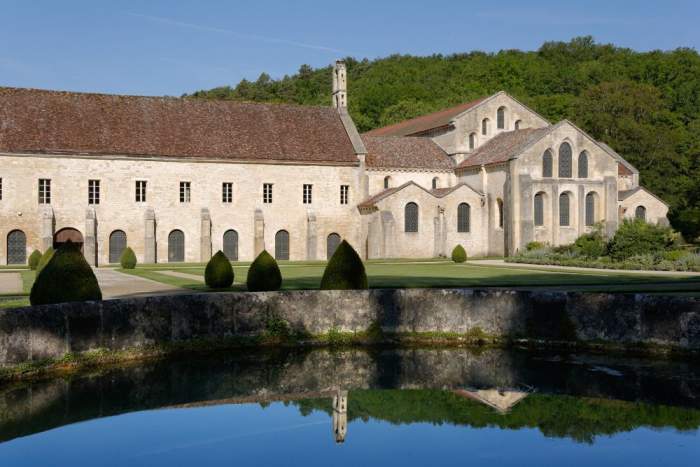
[[66, 235], [332, 243]]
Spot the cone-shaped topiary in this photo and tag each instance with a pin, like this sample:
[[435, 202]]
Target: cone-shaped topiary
[[264, 274], [345, 270], [34, 259], [66, 278], [44, 260], [459, 255], [218, 273], [128, 258]]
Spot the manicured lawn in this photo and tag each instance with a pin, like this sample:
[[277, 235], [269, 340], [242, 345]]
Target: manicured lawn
[[16, 300]]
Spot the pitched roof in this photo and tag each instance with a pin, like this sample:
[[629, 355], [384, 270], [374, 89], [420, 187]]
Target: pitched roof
[[624, 194], [438, 193], [37, 121], [400, 152], [504, 146], [424, 122]]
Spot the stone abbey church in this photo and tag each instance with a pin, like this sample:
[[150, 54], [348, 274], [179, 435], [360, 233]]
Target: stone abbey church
[[177, 179]]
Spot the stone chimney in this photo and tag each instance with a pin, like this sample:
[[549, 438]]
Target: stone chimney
[[340, 85]]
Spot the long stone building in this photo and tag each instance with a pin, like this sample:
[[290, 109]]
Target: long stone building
[[177, 179]]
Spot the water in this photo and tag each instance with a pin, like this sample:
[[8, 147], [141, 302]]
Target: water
[[385, 407]]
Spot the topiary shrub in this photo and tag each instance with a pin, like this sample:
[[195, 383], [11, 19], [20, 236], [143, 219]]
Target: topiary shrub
[[34, 259], [459, 254], [128, 259], [66, 278], [264, 274], [637, 237], [345, 270], [44, 260], [218, 273]]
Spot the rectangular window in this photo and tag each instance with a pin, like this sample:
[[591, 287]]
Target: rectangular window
[[267, 193], [307, 193], [44, 191], [93, 192], [227, 192], [344, 194], [140, 191], [185, 192]]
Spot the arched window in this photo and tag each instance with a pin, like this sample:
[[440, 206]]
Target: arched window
[[501, 118], [463, 217], [387, 182], [176, 246], [485, 126], [117, 245], [539, 209], [564, 218], [590, 208], [282, 245], [565, 160], [500, 212], [411, 218], [472, 141], [231, 245], [332, 243], [547, 163], [16, 247], [583, 165], [436, 182], [640, 213], [517, 124]]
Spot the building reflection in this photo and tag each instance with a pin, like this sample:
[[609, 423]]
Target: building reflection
[[501, 400]]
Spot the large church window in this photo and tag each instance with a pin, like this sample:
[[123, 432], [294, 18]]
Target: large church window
[[590, 209], [411, 217], [547, 163], [501, 118], [539, 209], [583, 165], [564, 205], [565, 160], [463, 217]]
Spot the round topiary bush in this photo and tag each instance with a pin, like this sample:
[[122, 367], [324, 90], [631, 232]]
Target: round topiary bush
[[345, 270], [264, 274], [128, 258], [44, 260], [218, 273], [459, 254], [66, 278], [34, 259]]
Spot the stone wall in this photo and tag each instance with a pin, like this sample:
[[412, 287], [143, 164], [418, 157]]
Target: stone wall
[[51, 331]]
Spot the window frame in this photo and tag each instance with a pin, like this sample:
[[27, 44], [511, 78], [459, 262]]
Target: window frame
[[44, 191], [141, 187], [411, 220], [464, 218], [185, 192], [227, 192], [565, 214], [267, 193], [565, 167], [93, 191], [307, 193], [501, 118], [538, 209], [344, 194]]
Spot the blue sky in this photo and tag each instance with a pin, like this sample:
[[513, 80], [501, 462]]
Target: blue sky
[[163, 47]]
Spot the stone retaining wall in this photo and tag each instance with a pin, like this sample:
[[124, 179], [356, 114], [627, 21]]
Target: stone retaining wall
[[51, 331]]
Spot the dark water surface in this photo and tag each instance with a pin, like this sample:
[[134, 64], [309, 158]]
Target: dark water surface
[[383, 407]]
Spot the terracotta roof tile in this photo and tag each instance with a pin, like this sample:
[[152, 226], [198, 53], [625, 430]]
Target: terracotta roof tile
[[503, 147], [65, 122], [408, 152], [438, 193]]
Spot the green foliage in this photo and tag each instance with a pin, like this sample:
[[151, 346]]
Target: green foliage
[[218, 274], [459, 254], [345, 270], [44, 260], [264, 274], [534, 246], [34, 259], [636, 237], [645, 105], [66, 278], [591, 245], [128, 258]]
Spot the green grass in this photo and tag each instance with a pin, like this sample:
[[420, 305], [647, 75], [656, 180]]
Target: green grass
[[19, 299]]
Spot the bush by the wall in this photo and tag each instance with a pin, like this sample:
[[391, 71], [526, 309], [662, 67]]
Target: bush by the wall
[[218, 274], [128, 259], [34, 259], [534, 246], [637, 237], [345, 270], [66, 278], [459, 254], [591, 245], [264, 274], [44, 260]]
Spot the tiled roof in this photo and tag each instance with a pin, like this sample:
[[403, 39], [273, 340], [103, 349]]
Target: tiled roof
[[622, 169], [503, 147], [624, 194], [37, 121], [405, 152], [424, 122], [438, 193]]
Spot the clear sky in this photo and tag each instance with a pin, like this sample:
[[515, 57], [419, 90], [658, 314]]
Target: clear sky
[[168, 47]]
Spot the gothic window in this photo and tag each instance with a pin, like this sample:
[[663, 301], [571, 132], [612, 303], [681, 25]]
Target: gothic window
[[463, 217], [583, 165], [16, 247], [435, 183], [231, 245], [590, 209], [501, 118], [411, 218], [117, 245], [176, 246], [472, 141], [565, 160], [547, 163], [640, 213], [332, 243], [485, 126], [282, 245], [564, 218], [500, 212], [539, 209]]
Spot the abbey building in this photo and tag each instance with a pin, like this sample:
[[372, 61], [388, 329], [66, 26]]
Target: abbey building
[[178, 179]]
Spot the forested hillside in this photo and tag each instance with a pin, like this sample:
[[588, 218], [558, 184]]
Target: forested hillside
[[646, 105]]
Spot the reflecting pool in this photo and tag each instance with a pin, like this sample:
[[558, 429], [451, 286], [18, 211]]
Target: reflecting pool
[[355, 407]]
